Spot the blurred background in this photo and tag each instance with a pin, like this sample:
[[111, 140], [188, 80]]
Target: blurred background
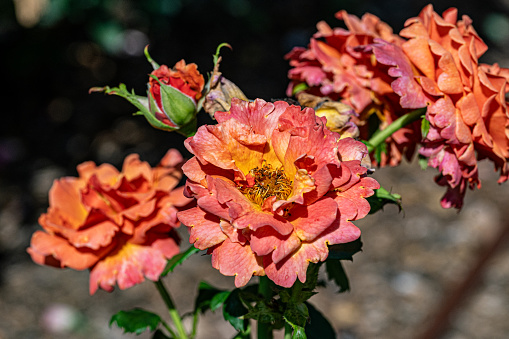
[[53, 51]]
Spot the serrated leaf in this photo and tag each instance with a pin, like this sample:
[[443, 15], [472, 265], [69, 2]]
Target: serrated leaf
[[234, 310], [296, 314], [336, 273], [178, 260], [264, 313], [318, 326], [136, 320], [312, 276], [381, 198], [344, 251]]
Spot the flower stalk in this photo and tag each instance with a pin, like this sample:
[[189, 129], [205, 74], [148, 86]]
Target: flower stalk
[[177, 321], [379, 137], [264, 330]]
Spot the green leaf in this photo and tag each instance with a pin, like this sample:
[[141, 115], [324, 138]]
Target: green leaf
[[424, 127], [336, 273], [206, 293], [299, 333], [160, 335], [178, 260], [379, 150], [139, 102], [234, 310], [312, 276], [318, 326], [423, 162], [266, 313], [296, 314], [136, 320], [218, 300], [381, 198], [300, 87], [345, 251]]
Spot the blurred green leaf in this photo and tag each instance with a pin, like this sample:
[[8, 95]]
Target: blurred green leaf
[[423, 162], [318, 327], [234, 310], [336, 273], [345, 251], [160, 335], [136, 320]]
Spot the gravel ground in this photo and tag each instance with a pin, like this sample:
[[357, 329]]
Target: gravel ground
[[411, 262]]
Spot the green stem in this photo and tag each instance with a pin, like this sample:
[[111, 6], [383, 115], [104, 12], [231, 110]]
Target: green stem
[[177, 321], [169, 329], [288, 331], [264, 330], [406, 119]]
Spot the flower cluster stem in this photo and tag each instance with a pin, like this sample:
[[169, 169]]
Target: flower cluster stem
[[264, 330], [406, 119], [177, 321], [288, 331]]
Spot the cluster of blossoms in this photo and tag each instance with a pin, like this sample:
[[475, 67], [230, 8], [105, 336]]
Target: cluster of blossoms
[[273, 187], [433, 63], [120, 225]]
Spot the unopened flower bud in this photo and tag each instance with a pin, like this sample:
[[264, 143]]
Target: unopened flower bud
[[221, 92]]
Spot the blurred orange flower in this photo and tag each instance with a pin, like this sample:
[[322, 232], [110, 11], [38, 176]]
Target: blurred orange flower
[[120, 225], [274, 187], [339, 64]]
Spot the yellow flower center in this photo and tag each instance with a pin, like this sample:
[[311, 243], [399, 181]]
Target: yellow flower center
[[268, 182]]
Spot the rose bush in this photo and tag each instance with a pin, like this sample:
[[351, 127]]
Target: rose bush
[[119, 225], [273, 187]]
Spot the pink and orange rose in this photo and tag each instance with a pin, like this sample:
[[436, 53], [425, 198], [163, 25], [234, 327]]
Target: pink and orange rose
[[273, 188], [339, 64], [119, 225], [467, 108]]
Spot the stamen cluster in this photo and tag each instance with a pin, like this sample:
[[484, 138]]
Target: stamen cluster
[[268, 182]]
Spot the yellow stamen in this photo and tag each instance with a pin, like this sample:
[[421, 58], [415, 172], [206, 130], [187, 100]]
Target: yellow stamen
[[268, 182]]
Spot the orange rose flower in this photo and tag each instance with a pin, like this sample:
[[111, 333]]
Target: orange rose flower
[[339, 63], [274, 187], [120, 225], [466, 100]]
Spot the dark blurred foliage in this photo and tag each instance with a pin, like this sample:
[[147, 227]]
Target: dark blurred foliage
[[49, 121]]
